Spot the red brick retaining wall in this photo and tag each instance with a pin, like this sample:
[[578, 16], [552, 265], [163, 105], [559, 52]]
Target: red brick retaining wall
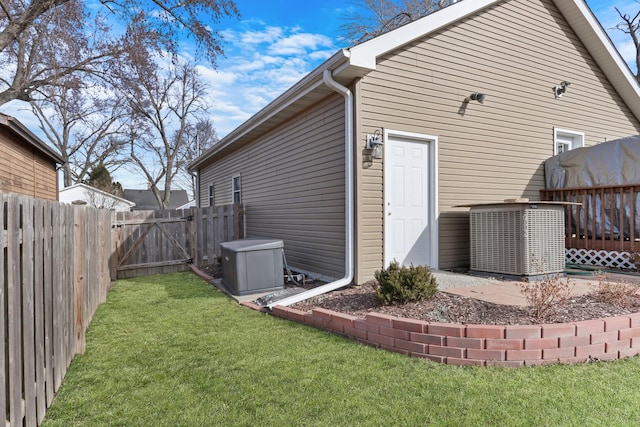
[[482, 345]]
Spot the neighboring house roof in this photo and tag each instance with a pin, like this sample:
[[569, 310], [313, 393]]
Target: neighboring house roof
[[356, 62], [18, 128], [145, 200], [189, 204], [83, 192]]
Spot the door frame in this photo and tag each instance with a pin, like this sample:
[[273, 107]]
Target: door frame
[[432, 200]]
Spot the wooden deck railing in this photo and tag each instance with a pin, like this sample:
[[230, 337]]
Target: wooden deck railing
[[608, 217]]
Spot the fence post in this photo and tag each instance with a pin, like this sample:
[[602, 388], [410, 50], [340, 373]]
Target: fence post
[[193, 232]]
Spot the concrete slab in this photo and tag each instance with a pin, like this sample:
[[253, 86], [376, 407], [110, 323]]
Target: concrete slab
[[508, 292], [448, 279], [239, 298]]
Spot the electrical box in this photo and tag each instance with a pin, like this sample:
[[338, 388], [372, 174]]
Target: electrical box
[[252, 266]]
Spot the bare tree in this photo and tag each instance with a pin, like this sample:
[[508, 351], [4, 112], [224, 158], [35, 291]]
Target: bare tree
[[44, 41], [100, 200], [165, 106], [201, 136], [85, 124], [631, 25], [377, 17]]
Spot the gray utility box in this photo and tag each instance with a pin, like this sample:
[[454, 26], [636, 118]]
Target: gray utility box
[[251, 266]]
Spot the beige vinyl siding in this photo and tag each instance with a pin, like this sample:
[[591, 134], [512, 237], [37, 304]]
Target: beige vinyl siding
[[293, 187], [515, 52]]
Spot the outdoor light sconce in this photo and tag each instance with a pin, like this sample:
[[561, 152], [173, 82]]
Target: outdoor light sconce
[[477, 96], [558, 91], [374, 143]]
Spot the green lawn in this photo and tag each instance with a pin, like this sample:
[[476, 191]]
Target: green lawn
[[173, 351]]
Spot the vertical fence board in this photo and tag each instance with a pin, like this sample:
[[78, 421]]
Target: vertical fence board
[[56, 294], [79, 279], [28, 309], [220, 226], [38, 268], [193, 236], [210, 226], [47, 283], [4, 386], [14, 311]]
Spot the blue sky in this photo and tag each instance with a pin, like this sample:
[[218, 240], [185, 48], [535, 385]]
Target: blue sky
[[275, 43]]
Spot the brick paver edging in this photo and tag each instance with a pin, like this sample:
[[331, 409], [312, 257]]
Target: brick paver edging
[[481, 345]]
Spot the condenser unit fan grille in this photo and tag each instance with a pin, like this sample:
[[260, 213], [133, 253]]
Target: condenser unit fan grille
[[518, 240]]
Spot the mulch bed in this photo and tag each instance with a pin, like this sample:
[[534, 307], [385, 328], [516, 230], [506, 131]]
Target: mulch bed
[[451, 308], [358, 300]]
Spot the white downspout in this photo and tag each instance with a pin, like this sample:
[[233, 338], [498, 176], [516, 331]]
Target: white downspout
[[348, 201]]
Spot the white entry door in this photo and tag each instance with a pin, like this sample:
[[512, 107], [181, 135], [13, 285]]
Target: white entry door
[[407, 225]]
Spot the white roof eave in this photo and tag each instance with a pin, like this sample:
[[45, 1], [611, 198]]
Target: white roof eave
[[366, 54]]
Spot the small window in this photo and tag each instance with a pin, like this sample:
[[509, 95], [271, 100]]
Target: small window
[[565, 140], [236, 190], [211, 196]]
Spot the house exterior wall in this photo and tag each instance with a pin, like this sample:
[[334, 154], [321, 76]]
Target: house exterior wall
[[24, 170], [92, 197], [292, 183], [515, 52]]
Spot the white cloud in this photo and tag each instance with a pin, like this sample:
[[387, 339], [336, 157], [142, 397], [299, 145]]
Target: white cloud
[[298, 44], [268, 35], [261, 63]]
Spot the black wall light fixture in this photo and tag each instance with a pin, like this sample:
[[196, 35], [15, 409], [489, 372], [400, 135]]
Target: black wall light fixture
[[558, 91]]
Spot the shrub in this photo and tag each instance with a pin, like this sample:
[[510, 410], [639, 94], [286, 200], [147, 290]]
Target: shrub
[[619, 294], [398, 284], [544, 295]]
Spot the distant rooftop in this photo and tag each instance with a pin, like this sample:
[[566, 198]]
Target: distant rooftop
[[146, 201]]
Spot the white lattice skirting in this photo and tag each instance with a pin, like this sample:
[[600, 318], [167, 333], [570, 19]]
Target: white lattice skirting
[[598, 258]]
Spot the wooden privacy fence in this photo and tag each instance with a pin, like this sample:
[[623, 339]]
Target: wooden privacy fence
[[156, 242], [607, 219], [53, 275]]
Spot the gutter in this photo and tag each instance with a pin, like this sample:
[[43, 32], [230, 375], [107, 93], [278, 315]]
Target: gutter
[[305, 86], [327, 78]]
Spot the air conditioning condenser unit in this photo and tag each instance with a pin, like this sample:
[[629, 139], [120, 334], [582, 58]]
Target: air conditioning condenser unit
[[519, 239]]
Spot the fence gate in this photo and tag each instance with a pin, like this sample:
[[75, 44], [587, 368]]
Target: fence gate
[[158, 242]]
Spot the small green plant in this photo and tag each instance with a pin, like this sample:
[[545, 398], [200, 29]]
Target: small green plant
[[401, 284], [543, 296], [619, 294]]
